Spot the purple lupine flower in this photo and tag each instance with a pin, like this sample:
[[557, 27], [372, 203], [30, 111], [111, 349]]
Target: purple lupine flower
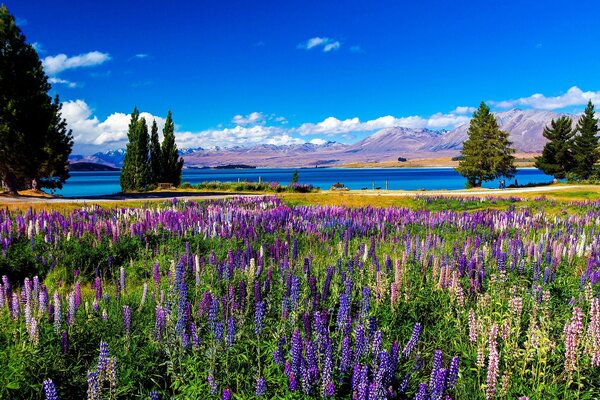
[[404, 384], [103, 357], [328, 388], [50, 390], [360, 346], [160, 322], [412, 342], [439, 384], [214, 388], [422, 393], [438, 360], [93, 391], [156, 273], [213, 314], [377, 343], [98, 287], [343, 311], [293, 383], [261, 386], [72, 309], [230, 331], [296, 351], [295, 292], [363, 384], [226, 394], [453, 373], [346, 357], [64, 342], [127, 320], [218, 331], [57, 312], [259, 315], [153, 396], [15, 306]]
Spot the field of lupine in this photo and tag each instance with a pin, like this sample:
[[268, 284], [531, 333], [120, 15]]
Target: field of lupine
[[250, 297]]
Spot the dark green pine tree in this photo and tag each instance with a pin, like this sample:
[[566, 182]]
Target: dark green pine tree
[[171, 162], [557, 156], [155, 157], [34, 140], [585, 146], [127, 177], [487, 152]]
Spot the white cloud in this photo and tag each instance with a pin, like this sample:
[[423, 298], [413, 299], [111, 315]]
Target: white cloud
[[141, 55], [331, 46], [318, 141], [252, 118], [332, 126], [56, 64], [58, 81], [573, 97], [326, 43], [464, 110], [38, 47], [89, 133]]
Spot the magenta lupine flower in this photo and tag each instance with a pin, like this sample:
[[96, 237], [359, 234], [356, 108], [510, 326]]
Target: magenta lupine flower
[[127, 320], [493, 364], [226, 394], [472, 327], [594, 331], [50, 390], [77, 294]]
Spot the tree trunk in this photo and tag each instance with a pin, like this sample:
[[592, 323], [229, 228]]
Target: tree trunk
[[10, 184]]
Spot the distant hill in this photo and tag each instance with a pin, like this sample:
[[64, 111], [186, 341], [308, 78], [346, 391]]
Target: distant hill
[[525, 128], [88, 166]]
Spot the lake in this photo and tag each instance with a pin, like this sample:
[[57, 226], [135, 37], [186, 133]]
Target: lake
[[96, 183]]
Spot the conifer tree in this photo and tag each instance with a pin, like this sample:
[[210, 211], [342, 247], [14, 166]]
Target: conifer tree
[[171, 162], [34, 140], [135, 173], [557, 156], [487, 152], [585, 146], [127, 170], [155, 157]]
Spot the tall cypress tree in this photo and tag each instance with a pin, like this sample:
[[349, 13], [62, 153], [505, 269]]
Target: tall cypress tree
[[155, 158], [171, 162], [34, 141], [127, 177], [557, 156], [142, 162], [585, 146], [487, 153]]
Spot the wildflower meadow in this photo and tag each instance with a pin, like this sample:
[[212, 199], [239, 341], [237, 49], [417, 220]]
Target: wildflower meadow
[[249, 297]]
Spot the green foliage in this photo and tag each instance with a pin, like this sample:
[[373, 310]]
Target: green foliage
[[585, 146], [34, 141], [155, 155], [295, 176], [171, 162], [269, 187], [557, 157], [487, 151]]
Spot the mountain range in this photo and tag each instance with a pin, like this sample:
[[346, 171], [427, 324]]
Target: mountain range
[[524, 126]]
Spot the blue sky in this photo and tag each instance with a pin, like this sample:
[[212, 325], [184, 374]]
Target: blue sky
[[241, 72]]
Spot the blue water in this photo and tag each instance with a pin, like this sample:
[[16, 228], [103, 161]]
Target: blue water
[[100, 183]]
